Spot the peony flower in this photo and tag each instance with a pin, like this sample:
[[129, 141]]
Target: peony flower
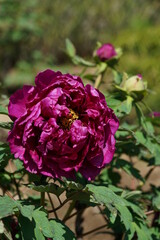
[[106, 52], [61, 127]]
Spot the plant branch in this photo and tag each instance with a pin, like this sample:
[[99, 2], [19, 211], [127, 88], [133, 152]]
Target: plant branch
[[104, 217], [63, 203], [70, 209], [51, 202], [94, 230], [149, 173], [72, 215]]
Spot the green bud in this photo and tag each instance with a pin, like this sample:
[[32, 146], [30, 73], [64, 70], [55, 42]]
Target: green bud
[[134, 83]]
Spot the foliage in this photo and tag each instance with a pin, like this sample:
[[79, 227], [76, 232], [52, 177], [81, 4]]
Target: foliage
[[125, 209]]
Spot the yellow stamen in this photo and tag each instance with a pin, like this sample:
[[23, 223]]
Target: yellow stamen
[[66, 122]]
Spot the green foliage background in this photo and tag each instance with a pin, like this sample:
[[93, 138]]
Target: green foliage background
[[33, 32]]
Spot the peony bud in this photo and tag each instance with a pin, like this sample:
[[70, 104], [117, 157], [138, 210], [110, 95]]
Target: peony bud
[[134, 83], [106, 52]]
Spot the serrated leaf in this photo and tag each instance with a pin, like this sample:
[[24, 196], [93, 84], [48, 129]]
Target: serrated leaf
[[50, 188], [12, 206], [125, 215], [61, 231], [142, 232], [136, 209], [42, 223], [3, 110], [105, 195]]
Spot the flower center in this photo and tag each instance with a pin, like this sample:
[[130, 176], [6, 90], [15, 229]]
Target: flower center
[[66, 122]]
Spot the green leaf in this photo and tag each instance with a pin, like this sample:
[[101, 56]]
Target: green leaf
[[101, 67], [3, 110], [113, 202], [125, 215], [120, 107], [5, 155], [131, 195], [136, 209], [50, 188], [7, 206], [38, 234], [150, 144], [27, 211], [126, 105], [104, 195], [111, 214], [112, 102], [156, 202], [42, 223], [70, 49], [79, 60], [61, 231], [117, 77], [19, 164], [142, 231]]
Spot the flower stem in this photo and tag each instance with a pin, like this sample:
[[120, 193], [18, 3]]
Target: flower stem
[[98, 81], [42, 201]]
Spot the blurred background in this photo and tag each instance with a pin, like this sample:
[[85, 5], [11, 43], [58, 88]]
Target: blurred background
[[33, 32]]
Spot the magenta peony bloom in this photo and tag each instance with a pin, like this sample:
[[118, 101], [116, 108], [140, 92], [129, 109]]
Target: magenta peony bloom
[[106, 52], [61, 127]]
